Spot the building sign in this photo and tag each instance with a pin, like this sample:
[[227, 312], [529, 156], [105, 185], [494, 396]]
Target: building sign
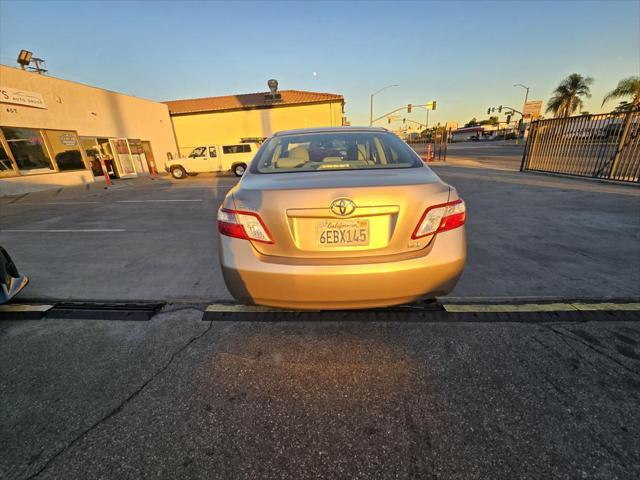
[[17, 96], [68, 140], [532, 109]]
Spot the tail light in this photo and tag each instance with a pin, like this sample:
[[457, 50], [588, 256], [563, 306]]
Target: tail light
[[241, 224], [440, 218]]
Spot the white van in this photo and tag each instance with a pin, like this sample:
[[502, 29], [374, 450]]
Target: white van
[[213, 158]]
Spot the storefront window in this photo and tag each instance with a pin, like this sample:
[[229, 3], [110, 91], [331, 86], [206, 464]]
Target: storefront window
[[66, 149], [28, 150], [6, 167]]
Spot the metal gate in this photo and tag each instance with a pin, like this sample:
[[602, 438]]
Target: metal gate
[[598, 146]]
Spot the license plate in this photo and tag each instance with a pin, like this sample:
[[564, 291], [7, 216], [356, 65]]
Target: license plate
[[342, 233]]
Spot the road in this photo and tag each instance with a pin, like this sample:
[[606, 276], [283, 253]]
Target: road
[[529, 236], [499, 155], [367, 395]]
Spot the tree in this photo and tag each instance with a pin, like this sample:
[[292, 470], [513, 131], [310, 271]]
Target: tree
[[490, 121], [627, 87], [623, 106], [472, 123], [567, 97]]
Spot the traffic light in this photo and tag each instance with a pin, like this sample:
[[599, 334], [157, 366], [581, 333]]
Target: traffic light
[[409, 108], [404, 120], [389, 119], [433, 107], [500, 109], [508, 119], [489, 111]]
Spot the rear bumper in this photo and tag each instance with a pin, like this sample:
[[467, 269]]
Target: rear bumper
[[252, 280]]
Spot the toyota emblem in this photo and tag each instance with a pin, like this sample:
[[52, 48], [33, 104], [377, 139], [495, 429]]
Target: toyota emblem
[[343, 207]]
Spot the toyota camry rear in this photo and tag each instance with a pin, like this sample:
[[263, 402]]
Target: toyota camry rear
[[340, 218]]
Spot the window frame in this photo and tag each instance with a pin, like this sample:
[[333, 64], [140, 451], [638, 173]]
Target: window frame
[[202, 155], [50, 149], [45, 144], [5, 146], [243, 148]]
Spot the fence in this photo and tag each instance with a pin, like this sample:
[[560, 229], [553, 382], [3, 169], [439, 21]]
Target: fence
[[434, 146], [598, 146]]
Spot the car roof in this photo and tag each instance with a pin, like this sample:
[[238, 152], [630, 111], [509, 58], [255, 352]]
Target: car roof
[[330, 129]]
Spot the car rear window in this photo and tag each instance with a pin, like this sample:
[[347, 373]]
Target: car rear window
[[326, 151]]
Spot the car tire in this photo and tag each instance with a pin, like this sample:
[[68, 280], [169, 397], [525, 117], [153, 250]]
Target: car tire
[[178, 173], [239, 169]]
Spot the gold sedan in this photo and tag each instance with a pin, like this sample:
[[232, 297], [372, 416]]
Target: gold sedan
[[338, 218]]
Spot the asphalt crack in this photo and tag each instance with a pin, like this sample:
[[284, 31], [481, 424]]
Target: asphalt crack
[[567, 335], [122, 404]]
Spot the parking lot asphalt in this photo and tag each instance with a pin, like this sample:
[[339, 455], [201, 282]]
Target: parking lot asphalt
[[529, 235], [404, 393], [371, 395]]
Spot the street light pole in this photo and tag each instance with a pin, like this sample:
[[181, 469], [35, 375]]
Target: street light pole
[[526, 97], [371, 107]]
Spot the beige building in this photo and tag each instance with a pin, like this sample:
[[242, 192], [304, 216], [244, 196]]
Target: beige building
[[234, 118], [54, 132]]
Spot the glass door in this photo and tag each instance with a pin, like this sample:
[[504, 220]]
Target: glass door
[[92, 151], [109, 157], [137, 154], [123, 158]]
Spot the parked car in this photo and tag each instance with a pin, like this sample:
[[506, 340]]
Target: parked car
[[213, 158], [339, 218]]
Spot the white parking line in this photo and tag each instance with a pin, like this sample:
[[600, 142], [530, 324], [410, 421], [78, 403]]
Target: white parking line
[[158, 200], [76, 230], [19, 204], [163, 200]]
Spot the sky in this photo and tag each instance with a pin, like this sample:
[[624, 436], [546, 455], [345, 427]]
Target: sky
[[465, 55]]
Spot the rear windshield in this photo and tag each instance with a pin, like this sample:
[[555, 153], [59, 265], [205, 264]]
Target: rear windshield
[[334, 151]]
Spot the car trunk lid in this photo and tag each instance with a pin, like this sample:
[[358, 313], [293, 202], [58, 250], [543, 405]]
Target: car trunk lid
[[381, 209]]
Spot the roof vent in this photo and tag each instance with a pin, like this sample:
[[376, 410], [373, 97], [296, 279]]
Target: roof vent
[[273, 96]]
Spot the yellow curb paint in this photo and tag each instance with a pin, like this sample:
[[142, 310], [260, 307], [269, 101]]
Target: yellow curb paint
[[607, 306], [498, 308], [18, 307], [242, 308]]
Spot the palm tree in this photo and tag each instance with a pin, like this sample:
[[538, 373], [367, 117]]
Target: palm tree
[[627, 87], [567, 97]]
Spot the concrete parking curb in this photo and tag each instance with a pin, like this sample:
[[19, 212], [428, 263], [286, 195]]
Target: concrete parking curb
[[435, 311], [475, 312]]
